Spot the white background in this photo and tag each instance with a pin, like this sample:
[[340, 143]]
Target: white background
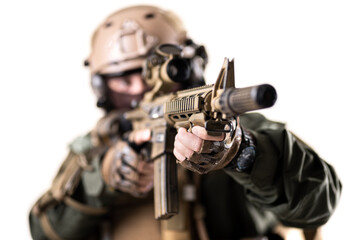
[[309, 50]]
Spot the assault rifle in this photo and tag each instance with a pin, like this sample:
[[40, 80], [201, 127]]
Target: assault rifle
[[212, 106]]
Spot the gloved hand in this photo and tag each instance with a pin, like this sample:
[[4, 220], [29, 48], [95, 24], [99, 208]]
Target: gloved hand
[[125, 170], [200, 152]]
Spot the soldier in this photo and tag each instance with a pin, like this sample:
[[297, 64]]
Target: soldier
[[103, 189]]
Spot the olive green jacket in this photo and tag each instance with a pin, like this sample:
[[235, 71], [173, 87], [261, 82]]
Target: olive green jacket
[[289, 183]]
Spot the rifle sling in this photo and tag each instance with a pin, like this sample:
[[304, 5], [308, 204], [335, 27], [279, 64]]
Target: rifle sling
[[84, 208]]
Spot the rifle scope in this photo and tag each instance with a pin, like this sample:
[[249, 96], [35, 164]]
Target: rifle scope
[[178, 70]]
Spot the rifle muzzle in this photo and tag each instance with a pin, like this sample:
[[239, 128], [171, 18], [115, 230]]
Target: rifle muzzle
[[236, 101]]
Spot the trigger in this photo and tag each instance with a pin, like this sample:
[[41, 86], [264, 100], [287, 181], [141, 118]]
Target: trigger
[[218, 126], [191, 126]]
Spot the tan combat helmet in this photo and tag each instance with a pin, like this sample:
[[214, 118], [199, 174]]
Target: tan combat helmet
[[123, 40]]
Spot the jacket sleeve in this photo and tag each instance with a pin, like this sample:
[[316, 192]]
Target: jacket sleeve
[[288, 178]]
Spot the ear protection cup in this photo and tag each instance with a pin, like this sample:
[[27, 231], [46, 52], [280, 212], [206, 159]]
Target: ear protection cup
[[99, 87]]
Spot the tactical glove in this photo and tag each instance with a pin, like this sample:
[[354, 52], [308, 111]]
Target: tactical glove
[[200, 152], [125, 170]]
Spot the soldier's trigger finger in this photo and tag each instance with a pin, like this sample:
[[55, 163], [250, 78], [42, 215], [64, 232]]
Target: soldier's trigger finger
[[203, 134]]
